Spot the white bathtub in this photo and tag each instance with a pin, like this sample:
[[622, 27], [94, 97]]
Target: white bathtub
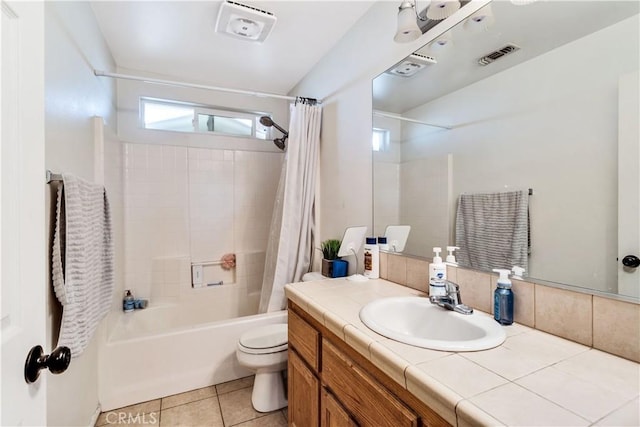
[[159, 351]]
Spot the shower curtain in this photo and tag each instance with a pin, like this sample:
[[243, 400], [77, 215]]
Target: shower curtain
[[290, 245]]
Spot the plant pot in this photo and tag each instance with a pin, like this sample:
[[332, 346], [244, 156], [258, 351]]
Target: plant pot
[[334, 268]]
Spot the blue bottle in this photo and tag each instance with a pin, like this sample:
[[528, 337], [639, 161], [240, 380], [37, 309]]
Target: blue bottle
[[128, 303], [503, 299]]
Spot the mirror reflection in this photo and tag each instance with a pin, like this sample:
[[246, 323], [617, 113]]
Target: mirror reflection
[[541, 96]]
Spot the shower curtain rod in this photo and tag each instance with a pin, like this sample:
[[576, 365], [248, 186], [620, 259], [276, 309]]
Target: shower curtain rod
[[100, 73], [406, 119]]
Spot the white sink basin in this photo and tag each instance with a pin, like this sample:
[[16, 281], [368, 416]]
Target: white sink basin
[[415, 321]]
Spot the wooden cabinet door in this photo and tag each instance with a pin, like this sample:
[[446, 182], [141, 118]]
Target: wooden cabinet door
[[370, 404], [332, 413], [304, 394]]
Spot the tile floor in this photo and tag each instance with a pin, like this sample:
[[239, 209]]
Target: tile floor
[[222, 405]]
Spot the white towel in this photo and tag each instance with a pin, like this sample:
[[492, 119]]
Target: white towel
[[82, 260], [492, 230]]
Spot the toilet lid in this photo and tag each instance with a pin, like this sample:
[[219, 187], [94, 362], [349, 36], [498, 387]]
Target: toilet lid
[[310, 277], [265, 339]]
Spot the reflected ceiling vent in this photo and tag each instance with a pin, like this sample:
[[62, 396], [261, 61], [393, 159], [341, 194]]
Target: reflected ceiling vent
[[411, 65], [244, 22], [494, 56]]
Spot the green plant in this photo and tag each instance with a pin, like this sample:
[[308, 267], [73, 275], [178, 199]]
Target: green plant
[[330, 248]]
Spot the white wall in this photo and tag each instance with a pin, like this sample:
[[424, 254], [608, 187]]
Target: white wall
[[186, 205], [549, 124], [73, 47], [343, 80]]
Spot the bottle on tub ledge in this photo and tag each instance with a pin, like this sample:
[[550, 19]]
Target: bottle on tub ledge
[[371, 258], [503, 298], [128, 303]]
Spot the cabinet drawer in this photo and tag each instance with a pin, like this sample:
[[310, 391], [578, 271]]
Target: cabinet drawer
[[305, 339], [363, 397]]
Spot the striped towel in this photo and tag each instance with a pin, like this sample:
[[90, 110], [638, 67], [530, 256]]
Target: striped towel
[[492, 230], [82, 260]]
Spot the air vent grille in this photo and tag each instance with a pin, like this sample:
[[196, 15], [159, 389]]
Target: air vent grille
[[411, 65], [495, 55]]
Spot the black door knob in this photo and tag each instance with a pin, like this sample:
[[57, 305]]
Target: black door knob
[[57, 362], [631, 261]]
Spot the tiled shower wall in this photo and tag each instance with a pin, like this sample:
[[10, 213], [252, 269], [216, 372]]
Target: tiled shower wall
[[186, 205]]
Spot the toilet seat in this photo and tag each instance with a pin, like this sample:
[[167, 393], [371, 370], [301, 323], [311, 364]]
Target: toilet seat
[[264, 340]]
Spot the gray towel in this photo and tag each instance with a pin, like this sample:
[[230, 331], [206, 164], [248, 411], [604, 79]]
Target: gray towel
[[82, 260], [492, 230]]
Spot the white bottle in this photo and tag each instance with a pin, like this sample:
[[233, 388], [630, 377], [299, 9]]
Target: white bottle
[[451, 258], [382, 244], [518, 272], [437, 275], [371, 258]]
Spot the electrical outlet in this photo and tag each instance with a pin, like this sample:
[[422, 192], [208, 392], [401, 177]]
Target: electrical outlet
[[196, 276]]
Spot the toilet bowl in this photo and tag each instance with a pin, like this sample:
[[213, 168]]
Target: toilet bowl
[[264, 350]]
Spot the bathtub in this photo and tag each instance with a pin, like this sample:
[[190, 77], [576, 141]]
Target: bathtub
[[165, 350]]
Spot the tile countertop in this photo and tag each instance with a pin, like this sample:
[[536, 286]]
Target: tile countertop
[[532, 379]]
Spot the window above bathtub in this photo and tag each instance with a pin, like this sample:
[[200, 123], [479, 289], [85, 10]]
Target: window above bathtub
[[177, 116]]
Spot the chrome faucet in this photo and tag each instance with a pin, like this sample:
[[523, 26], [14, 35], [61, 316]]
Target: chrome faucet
[[452, 300]]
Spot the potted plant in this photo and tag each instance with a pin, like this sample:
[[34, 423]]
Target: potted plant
[[332, 265]]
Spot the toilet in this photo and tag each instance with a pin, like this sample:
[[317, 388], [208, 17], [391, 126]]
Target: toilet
[[264, 350]]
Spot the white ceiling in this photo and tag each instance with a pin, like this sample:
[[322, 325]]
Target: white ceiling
[[536, 28], [177, 39]]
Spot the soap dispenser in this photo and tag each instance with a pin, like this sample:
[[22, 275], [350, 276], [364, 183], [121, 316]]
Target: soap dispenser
[[518, 272], [437, 275], [451, 258], [503, 298]]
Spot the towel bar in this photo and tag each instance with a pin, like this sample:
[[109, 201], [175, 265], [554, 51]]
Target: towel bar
[[53, 177]]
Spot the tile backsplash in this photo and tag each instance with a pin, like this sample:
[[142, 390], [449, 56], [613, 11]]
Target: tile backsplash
[[607, 324]]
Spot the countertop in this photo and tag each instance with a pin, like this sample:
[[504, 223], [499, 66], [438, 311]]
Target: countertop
[[532, 379]]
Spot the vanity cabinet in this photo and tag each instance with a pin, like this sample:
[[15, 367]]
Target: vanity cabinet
[[331, 385]]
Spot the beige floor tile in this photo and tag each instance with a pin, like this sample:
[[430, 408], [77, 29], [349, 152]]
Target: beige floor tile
[[204, 412], [285, 413], [190, 396], [140, 413], [234, 385], [274, 419], [236, 407]]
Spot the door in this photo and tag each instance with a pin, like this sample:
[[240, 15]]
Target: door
[[304, 393], [22, 216], [628, 184]]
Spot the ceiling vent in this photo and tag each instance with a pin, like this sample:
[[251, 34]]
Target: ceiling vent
[[411, 65], [494, 56], [244, 22]]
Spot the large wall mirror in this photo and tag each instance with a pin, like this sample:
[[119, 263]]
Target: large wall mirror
[[554, 108]]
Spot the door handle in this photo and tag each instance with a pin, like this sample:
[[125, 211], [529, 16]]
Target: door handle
[[631, 261], [57, 362]]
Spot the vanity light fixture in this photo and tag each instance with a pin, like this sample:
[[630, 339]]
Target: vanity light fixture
[[480, 21], [440, 9], [408, 29], [411, 24], [443, 41]]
